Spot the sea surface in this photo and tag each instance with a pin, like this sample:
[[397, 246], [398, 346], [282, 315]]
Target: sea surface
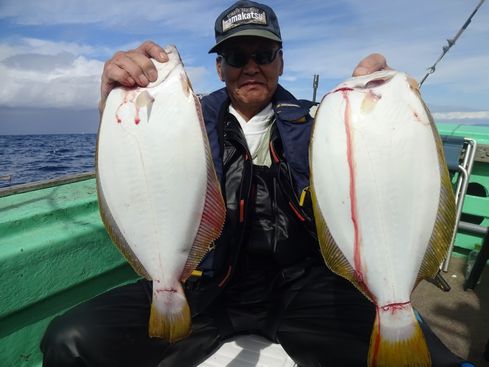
[[30, 158]]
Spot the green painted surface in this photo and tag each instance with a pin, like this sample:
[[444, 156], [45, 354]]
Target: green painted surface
[[54, 253], [476, 203], [479, 133]]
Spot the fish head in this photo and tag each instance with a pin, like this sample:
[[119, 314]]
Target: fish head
[[164, 69], [377, 80], [385, 86]]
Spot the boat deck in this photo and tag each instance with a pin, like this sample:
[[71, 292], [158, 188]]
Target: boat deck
[[43, 235], [459, 318]]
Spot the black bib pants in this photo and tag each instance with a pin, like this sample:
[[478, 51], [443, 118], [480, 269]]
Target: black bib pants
[[319, 318]]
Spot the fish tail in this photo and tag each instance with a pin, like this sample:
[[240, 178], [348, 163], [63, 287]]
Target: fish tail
[[170, 313], [397, 338]]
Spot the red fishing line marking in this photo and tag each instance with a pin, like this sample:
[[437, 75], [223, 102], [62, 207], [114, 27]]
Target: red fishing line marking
[[296, 212], [241, 210], [274, 154], [226, 277]]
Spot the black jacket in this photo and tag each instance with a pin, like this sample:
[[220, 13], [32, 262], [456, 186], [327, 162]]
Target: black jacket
[[244, 184]]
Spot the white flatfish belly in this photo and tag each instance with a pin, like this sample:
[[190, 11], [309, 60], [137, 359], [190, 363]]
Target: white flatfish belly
[[382, 200], [158, 191]]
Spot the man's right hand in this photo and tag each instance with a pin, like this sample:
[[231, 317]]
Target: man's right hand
[[130, 69]]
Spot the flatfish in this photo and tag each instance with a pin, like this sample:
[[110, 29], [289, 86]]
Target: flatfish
[[159, 196], [383, 202]]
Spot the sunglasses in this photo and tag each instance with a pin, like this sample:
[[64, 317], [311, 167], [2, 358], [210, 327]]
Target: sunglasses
[[238, 59]]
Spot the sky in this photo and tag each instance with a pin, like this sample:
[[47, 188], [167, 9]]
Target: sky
[[52, 52]]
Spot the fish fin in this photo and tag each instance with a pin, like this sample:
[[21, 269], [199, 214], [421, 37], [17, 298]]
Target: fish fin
[[332, 255], [445, 221], [170, 314], [145, 100], [214, 214], [397, 339], [115, 233]]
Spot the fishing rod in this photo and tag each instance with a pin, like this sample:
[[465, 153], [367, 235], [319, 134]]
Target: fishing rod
[[451, 42]]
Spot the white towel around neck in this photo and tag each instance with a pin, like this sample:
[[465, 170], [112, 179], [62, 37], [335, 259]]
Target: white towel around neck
[[257, 133]]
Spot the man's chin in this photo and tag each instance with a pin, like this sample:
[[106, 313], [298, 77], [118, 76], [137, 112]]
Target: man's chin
[[255, 97]]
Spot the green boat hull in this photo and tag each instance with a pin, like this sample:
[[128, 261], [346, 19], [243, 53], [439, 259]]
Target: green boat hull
[[55, 252], [476, 203]]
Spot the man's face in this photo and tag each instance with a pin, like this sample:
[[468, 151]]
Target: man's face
[[250, 86]]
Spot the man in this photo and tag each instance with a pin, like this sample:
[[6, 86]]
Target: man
[[265, 274]]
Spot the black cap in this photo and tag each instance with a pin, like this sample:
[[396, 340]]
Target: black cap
[[246, 18]]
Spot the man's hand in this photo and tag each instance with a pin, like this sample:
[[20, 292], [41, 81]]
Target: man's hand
[[130, 68], [370, 64]]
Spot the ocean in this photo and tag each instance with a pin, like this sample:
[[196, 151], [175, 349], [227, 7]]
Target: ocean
[[29, 158]]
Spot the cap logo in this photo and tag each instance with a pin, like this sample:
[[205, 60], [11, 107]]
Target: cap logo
[[240, 16]]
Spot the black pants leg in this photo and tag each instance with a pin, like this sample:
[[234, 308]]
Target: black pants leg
[[326, 322], [111, 330], [329, 322]]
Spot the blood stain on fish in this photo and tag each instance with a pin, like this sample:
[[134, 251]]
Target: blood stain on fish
[[170, 290], [394, 307], [129, 97], [353, 200], [344, 89], [357, 262]]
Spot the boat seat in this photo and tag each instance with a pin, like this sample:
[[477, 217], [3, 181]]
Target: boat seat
[[249, 351], [459, 157]]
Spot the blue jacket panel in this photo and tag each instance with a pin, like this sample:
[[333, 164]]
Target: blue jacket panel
[[293, 121]]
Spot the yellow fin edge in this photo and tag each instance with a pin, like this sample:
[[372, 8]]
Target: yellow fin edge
[[170, 326], [170, 316], [409, 352]]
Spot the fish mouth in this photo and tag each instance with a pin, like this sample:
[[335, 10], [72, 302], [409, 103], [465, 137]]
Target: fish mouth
[[343, 89], [365, 84]]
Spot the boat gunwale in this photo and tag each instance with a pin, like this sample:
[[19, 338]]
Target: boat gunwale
[[44, 184]]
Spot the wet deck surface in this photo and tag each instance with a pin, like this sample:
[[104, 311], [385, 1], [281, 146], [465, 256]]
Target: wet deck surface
[[459, 318]]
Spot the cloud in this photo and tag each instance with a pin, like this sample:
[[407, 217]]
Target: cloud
[[288, 78], [75, 85], [480, 115], [46, 74], [332, 38], [30, 61], [25, 45], [124, 15], [320, 37]]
